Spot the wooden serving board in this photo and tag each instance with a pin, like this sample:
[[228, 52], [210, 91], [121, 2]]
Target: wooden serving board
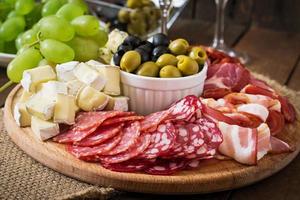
[[212, 175]]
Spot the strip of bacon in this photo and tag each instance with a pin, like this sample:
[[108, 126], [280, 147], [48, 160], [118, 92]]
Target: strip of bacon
[[239, 143], [275, 122], [254, 109], [263, 140]]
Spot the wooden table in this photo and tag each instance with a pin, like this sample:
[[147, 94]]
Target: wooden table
[[272, 53]]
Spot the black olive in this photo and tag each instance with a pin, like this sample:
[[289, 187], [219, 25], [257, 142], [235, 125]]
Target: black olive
[[146, 47], [158, 51], [144, 54], [117, 57], [125, 47], [161, 39], [132, 40], [117, 24]]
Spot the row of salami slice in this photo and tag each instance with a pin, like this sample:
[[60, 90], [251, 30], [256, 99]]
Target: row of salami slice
[[160, 143]]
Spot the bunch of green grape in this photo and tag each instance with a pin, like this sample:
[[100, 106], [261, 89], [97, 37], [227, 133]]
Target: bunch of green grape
[[64, 33], [140, 16]]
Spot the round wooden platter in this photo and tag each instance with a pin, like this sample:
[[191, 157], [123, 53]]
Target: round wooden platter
[[212, 175]]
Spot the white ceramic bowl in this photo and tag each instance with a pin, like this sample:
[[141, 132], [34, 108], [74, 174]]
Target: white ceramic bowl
[[149, 94]]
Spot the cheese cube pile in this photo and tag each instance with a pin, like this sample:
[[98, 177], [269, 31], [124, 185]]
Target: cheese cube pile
[[53, 96]]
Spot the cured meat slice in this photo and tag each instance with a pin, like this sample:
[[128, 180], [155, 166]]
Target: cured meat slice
[[85, 125], [151, 121], [263, 140], [127, 166], [185, 108], [162, 140], [239, 143], [254, 109], [102, 134], [142, 143], [216, 115], [279, 146], [216, 56], [181, 142], [244, 119], [275, 122], [117, 120], [93, 153], [129, 138], [220, 105], [166, 167]]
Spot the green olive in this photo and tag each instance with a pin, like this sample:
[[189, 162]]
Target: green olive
[[136, 16], [123, 15], [198, 54], [169, 71], [134, 3], [187, 65], [148, 69], [139, 28], [130, 61], [179, 46], [166, 59]]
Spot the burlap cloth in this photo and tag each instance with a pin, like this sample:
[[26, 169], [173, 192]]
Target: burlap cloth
[[21, 177]]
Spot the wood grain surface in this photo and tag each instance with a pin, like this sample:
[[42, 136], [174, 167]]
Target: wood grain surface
[[211, 176]]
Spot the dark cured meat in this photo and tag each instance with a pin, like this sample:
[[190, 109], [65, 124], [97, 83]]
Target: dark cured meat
[[117, 120], [102, 134], [151, 121]]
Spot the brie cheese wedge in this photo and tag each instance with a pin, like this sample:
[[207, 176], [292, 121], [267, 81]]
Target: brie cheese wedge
[[64, 71], [112, 75], [117, 103], [41, 106], [44, 129], [32, 77], [51, 89], [21, 115], [65, 109], [89, 76], [91, 99], [74, 86]]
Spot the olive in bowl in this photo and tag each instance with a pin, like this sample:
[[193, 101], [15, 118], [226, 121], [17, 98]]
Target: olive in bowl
[[130, 61], [187, 65], [179, 46], [160, 39], [198, 54], [148, 69], [166, 59], [169, 71]]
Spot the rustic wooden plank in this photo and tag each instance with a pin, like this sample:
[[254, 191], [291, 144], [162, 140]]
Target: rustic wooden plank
[[294, 82], [272, 53], [3, 80]]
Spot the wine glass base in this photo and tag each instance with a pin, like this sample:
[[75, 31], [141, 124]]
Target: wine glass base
[[242, 56]]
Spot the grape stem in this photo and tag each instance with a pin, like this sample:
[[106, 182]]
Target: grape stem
[[5, 86]]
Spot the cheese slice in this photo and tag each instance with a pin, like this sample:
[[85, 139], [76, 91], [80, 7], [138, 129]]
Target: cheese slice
[[44, 129], [50, 89], [41, 106], [25, 96], [89, 76], [65, 71], [117, 103], [91, 99], [21, 115], [32, 77], [112, 75], [65, 109], [95, 64], [74, 87]]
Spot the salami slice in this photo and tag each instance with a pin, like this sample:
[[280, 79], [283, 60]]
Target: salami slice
[[129, 138], [185, 108], [151, 121], [117, 120], [162, 140], [85, 125], [102, 134], [166, 167], [127, 166], [87, 153], [142, 143]]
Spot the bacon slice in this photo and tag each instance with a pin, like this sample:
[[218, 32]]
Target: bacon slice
[[275, 122], [263, 140], [279, 146], [239, 143], [254, 109]]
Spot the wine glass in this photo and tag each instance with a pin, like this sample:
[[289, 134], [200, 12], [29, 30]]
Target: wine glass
[[165, 6], [218, 41]]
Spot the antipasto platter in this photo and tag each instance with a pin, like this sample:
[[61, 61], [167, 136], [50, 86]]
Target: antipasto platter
[[191, 119]]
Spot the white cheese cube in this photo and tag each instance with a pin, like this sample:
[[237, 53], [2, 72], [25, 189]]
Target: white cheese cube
[[32, 77], [95, 64], [21, 115], [115, 38], [41, 106], [112, 75], [89, 76], [64, 110], [90, 99], [44, 129], [65, 71], [74, 87], [117, 103], [50, 89]]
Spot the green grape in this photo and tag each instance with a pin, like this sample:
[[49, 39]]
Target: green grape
[[86, 25], [85, 49], [18, 41], [23, 7], [101, 37], [11, 2], [27, 60], [44, 62], [12, 14], [56, 28], [69, 11], [56, 51], [82, 5], [34, 16], [26, 38], [52, 6], [11, 28]]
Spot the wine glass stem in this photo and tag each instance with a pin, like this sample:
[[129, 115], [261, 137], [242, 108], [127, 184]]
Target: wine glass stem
[[164, 21], [219, 29]]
